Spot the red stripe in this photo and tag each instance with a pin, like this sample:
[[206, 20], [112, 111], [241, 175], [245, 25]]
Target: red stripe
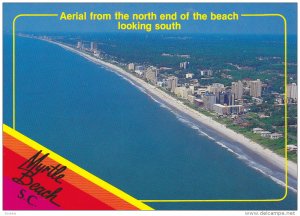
[[70, 198]]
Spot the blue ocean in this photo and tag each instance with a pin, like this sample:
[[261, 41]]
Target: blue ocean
[[101, 122]]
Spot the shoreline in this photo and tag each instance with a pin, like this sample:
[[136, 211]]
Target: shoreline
[[257, 149]]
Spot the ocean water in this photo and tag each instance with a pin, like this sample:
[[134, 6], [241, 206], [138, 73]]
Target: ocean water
[[106, 125]]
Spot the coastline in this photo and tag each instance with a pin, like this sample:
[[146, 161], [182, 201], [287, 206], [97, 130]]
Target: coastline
[[266, 154]]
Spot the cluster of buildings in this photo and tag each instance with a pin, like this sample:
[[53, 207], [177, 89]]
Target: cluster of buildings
[[215, 97], [232, 101], [223, 100], [149, 73], [184, 65], [267, 134], [206, 73], [252, 87], [89, 47], [292, 95]]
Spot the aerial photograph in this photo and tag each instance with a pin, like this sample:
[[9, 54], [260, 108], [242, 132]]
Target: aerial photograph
[[164, 106]]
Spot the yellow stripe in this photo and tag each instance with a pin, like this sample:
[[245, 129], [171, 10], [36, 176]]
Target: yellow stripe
[[77, 169], [120, 193], [213, 200], [285, 129], [285, 94]]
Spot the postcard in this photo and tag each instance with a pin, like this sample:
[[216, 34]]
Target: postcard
[[150, 106]]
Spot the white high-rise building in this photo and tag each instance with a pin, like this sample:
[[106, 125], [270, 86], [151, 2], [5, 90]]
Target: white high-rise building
[[172, 83], [151, 74], [184, 65], [255, 88], [183, 92], [292, 91], [209, 100], [206, 72], [237, 89], [131, 67], [79, 45], [139, 69], [93, 46], [216, 88]]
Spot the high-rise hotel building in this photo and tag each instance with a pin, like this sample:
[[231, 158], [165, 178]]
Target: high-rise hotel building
[[255, 88]]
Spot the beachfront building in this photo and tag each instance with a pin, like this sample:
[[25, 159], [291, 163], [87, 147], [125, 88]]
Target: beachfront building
[[220, 109], [265, 134], [225, 98], [229, 98], [79, 45], [96, 53], [292, 148], [275, 136], [201, 91], [236, 109], [160, 83], [255, 88], [172, 83], [257, 130], [93, 46], [228, 110], [209, 99], [139, 70], [183, 92], [191, 98], [192, 88], [237, 89], [198, 102], [151, 74], [216, 88], [292, 91], [131, 67]]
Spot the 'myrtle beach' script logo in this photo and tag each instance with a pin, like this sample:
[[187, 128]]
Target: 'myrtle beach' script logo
[[31, 168]]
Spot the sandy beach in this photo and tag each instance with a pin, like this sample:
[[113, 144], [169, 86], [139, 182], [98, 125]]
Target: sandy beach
[[275, 159]]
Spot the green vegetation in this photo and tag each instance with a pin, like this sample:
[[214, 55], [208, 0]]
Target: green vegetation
[[252, 120], [267, 124], [255, 56], [247, 57]]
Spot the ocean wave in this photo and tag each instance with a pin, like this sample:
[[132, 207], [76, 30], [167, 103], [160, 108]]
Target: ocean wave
[[161, 104], [258, 167], [226, 147], [239, 154], [126, 79], [195, 127], [164, 106], [269, 175]]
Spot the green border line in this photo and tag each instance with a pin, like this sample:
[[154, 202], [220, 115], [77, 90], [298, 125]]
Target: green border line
[[190, 201]]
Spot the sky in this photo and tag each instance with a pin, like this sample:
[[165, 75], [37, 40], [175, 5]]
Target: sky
[[245, 25]]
